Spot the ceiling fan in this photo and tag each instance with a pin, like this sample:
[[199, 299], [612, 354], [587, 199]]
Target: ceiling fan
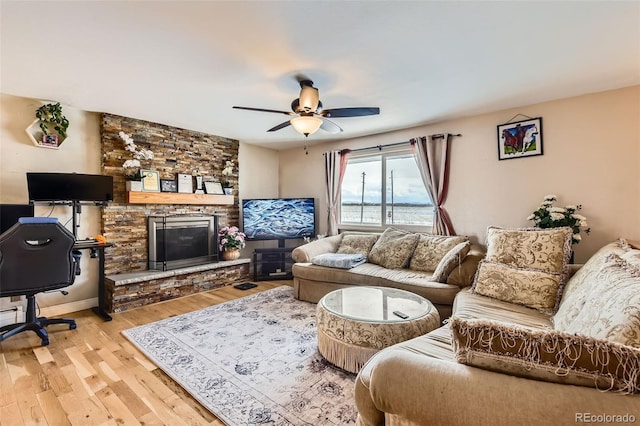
[[308, 114]]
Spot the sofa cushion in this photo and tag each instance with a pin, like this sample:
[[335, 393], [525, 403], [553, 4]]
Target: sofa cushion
[[463, 275], [393, 249], [612, 309], [450, 260], [375, 275], [472, 305], [577, 290], [528, 287], [357, 244], [545, 354], [431, 249], [545, 250]]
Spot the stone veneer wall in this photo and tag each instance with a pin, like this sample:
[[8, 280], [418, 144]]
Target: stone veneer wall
[[176, 151], [120, 298]]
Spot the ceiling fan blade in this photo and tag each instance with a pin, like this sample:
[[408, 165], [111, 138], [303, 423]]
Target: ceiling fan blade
[[264, 110], [330, 126], [350, 112], [279, 126]]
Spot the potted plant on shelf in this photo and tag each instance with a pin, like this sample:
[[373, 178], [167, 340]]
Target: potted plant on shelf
[[51, 118], [231, 241]]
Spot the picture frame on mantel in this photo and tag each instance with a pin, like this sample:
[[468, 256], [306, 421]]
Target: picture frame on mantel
[[168, 185], [150, 180], [213, 188], [520, 139]]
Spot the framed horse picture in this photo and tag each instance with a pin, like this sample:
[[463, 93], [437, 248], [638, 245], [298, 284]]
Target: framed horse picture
[[520, 139]]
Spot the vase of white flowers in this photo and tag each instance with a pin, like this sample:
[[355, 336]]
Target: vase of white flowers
[[132, 166], [549, 216], [227, 171]]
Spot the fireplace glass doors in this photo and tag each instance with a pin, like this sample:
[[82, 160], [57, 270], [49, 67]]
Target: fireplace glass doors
[[181, 241]]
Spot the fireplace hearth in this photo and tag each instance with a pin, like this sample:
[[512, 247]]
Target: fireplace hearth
[[182, 240]]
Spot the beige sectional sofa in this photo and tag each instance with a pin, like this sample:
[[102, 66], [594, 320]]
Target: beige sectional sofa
[[311, 282], [498, 362]]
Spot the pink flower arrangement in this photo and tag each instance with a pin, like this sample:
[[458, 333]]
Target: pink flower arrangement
[[231, 238]]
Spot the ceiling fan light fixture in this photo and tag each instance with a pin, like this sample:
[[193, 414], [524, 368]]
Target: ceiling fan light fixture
[[306, 124], [309, 99]]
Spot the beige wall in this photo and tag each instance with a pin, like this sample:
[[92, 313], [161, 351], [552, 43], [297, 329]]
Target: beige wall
[[258, 179], [79, 153], [591, 157]]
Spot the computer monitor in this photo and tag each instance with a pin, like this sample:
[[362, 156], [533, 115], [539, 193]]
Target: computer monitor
[[69, 187], [10, 213]]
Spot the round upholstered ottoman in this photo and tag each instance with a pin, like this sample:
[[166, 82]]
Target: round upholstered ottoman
[[356, 322]]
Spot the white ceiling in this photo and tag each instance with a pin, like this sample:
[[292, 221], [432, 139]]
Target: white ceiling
[[186, 64]]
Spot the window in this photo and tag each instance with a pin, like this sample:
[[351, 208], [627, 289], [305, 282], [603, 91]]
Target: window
[[384, 189]]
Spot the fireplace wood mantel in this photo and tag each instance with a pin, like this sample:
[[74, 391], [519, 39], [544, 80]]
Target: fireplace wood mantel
[[134, 197]]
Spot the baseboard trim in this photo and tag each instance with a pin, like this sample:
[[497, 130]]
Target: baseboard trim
[[65, 308]]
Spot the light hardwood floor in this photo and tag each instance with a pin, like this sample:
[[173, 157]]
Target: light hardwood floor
[[94, 376]]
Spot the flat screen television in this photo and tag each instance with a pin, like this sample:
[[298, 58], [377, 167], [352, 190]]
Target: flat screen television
[[69, 187], [278, 218]]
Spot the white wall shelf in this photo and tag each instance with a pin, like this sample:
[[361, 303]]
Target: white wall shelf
[[35, 134]]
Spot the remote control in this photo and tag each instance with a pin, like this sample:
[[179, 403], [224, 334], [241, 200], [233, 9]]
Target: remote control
[[400, 314]]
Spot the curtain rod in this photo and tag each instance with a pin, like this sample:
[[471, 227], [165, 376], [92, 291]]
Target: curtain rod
[[437, 136]]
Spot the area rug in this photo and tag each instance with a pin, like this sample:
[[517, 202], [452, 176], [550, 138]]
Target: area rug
[[253, 360]]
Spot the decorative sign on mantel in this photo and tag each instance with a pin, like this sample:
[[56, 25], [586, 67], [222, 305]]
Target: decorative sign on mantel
[[185, 183]]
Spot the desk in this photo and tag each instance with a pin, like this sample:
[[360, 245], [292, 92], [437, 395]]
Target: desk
[[97, 250]]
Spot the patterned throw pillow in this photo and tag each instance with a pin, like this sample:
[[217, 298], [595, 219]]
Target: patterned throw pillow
[[545, 250], [547, 355], [612, 309], [448, 263], [357, 244], [393, 249], [431, 249], [576, 291], [528, 287], [529, 250]]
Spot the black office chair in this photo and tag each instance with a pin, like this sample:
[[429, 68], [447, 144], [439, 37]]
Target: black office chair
[[35, 256]]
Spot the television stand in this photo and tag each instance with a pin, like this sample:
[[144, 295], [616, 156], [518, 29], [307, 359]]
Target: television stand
[[272, 264]]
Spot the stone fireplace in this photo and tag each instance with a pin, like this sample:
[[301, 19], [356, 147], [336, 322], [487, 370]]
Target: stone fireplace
[[181, 241], [129, 283]]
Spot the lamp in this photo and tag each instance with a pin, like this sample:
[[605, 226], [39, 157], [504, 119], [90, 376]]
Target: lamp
[[306, 124]]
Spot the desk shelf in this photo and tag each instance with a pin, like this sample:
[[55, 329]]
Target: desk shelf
[[134, 197]]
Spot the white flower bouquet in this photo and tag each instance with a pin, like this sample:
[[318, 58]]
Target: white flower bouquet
[[549, 216], [132, 167]]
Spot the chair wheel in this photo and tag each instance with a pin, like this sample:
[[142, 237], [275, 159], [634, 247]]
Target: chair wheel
[[45, 342], [72, 326]]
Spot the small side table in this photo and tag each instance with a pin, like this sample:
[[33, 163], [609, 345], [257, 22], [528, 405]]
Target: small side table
[[356, 322]]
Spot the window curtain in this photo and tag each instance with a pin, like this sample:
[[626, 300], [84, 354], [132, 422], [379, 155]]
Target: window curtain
[[335, 164], [432, 156]]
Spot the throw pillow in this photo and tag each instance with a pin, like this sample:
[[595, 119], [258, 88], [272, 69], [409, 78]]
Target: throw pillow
[[545, 250], [546, 355], [528, 287], [577, 290], [448, 263], [357, 244], [612, 309], [431, 249], [393, 249]]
